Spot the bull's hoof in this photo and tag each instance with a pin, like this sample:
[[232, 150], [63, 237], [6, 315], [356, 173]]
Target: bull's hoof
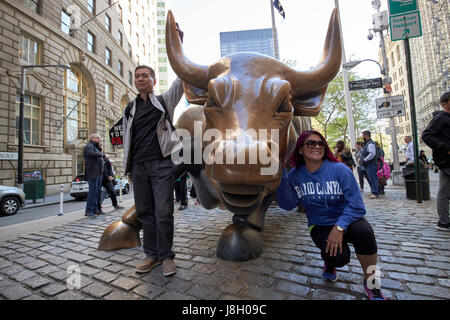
[[119, 235], [239, 243]]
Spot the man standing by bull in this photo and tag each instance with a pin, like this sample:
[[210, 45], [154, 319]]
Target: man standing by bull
[[147, 160], [369, 163]]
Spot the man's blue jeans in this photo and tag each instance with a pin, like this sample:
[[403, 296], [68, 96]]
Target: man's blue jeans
[[371, 172], [95, 186]]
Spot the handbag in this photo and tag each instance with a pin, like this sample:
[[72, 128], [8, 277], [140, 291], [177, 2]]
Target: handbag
[[382, 181]]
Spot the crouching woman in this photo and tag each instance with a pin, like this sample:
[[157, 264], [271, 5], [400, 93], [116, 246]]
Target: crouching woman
[[328, 191]]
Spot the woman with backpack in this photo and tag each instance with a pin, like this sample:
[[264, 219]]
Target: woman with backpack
[[380, 165]]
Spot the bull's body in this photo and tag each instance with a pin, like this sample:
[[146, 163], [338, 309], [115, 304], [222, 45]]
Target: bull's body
[[239, 95]]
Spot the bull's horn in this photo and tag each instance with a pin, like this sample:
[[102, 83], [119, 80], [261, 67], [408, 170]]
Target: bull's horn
[[188, 71], [309, 81]]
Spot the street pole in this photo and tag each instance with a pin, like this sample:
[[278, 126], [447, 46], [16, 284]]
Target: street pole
[[274, 33], [413, 122], [21, 122], [348, 99]]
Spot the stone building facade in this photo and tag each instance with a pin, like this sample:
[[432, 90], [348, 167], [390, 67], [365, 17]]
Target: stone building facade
[[61, 105]]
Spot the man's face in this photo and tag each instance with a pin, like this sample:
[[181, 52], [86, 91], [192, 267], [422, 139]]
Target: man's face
[[407, 140], [365, 136], [446, 106], [143, 80], [95, 139]]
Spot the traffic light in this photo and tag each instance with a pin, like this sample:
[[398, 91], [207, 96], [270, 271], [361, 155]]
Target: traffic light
[[387, 88]]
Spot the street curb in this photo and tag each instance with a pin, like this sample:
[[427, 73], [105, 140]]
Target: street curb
[[44, 204]]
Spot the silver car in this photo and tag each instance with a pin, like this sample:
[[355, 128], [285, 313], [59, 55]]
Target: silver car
[[11, 200]]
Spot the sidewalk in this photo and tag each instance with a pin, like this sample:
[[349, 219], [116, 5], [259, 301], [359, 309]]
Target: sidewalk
[[49, 200], [414, 259]]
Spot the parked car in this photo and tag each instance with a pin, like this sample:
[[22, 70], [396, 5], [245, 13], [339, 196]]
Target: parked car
[[11, 200], [79, 188]]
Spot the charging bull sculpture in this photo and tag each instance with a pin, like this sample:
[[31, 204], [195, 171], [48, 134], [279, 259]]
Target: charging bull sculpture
[[239, 97]]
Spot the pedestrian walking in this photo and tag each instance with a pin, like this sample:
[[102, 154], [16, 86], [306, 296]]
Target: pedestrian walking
[[344, 154], [334, 208], [409, 149], [93, 159], [181, 191], [437, 137], [380, 165], [361, 173], [148, 144], [423, 157], [108, 184], [369, 163]]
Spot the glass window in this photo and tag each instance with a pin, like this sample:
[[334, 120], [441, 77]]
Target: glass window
[[108, 92], [120, 14], [29, 50], [76, 107], [130, 77], [107, 22], [65, 22], [91, 6], [34, 5], [90, 42], [120, 37], [32, 119], [130, 52], [108, 56], [120, 68], [130, 28]]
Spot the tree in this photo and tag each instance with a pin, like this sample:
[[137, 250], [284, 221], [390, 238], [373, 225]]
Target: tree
[[332, 120]]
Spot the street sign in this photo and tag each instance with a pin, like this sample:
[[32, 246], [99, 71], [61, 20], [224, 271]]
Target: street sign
[[394, 108], [402, 6], [9, 156], [365, 84], [406, 26]]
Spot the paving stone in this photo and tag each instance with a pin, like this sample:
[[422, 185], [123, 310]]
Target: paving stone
[[59, 275], [23, 275], [321, 294], [257, 293], [320, 283], [156, 278], [125, 283], [114, 268], [410, 277], [35, 265], [184, 264], [444, 282], [409, 262], [172, 295], [70, 295], [24, 260], [120, 258], [33, 297], [409, 296], [186, 274], [203, 293], [431, 272], [396, 267], [105, 276], [120, 296], [76, 256], [149, 291], [4, 263], [53, 289], [257, 279], [15, 292], [97, 290], [438, 265], [290, 287], [291, 277], [309, 271], [428, 290], [36, 282]]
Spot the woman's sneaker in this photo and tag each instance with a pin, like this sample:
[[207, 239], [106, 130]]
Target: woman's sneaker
[[443, 226], [373, 294], [329, 274]]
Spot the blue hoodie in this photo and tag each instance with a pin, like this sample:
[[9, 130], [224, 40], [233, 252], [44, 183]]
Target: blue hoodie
[[329, 195]]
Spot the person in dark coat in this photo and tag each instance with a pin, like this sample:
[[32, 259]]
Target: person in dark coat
[[93, 159], [107, 182], [437, 137]]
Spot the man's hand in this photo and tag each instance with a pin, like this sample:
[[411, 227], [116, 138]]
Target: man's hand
[[334, 242], [111, 178], [129, 178], [180, 32]]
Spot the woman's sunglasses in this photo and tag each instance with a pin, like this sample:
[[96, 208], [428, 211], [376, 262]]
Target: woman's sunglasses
[[312, 144]]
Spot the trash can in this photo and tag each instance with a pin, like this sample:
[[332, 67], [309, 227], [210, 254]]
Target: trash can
[[410, 182], [34, 189]]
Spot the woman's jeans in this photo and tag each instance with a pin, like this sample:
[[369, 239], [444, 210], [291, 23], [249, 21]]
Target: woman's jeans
[[95, 186]]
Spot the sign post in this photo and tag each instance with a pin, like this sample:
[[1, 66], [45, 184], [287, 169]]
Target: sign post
[[365, 84]]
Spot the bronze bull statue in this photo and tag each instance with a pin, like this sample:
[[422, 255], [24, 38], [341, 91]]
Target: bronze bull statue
[[239, 95]]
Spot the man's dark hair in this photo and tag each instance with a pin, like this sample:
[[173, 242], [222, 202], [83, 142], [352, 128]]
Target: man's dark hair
[[152, 72], [366, 132], [359, 143], [445, 97]]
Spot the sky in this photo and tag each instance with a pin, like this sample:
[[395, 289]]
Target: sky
[[301, 35]]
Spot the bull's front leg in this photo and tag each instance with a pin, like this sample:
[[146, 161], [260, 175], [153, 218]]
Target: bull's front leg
[[242, 240]]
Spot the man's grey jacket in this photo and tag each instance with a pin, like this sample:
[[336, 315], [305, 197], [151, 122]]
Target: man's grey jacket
[[163, 129]]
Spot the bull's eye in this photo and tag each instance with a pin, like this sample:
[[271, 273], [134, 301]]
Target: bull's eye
[[285, 106]]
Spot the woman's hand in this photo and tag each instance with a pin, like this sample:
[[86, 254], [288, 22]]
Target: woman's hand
[[334, 242]]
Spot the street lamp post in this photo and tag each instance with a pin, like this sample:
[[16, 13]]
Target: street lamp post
[[21, 115]]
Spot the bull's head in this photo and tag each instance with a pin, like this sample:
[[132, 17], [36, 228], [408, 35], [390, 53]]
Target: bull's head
[[246, 92]]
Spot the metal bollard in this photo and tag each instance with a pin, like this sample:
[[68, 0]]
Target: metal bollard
[[61, 200], [120, 191]]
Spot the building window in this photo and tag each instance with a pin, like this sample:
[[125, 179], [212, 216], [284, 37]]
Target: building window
[[120, 37], [65, 22], [130, 78], [107, 22], [120, 14], [108, 56], [108, 92], [120, 68], [91, 6], [90, 42], [137, 39], [129, 27], [398, 53], [76, 109], [107, 143], [130, 52], [31, 119], [34, 5], [29, 50]]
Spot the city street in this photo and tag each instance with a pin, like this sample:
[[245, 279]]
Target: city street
[[414, 259]]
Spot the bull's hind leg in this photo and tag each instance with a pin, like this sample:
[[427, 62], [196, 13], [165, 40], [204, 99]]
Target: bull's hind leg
[[242, 240]]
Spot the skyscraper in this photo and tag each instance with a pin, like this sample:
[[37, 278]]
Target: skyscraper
[[258, 40]]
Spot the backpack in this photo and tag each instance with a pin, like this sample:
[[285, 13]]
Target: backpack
[[384, 171]]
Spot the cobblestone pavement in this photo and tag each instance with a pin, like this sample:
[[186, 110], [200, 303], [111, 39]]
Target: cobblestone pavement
[[413, 256]]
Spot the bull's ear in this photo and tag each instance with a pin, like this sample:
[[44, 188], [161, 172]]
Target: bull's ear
[[309, 104], [194, 95]]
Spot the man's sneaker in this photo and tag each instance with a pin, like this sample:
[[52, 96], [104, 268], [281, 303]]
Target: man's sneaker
[[443, 226], [99, 212], [182, 207], [118, 207], [373, 294], [89, 214], [372, 196], [147, 265], [169, 267], [329, 274]]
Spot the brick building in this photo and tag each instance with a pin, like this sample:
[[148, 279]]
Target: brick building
[[62, 107]]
